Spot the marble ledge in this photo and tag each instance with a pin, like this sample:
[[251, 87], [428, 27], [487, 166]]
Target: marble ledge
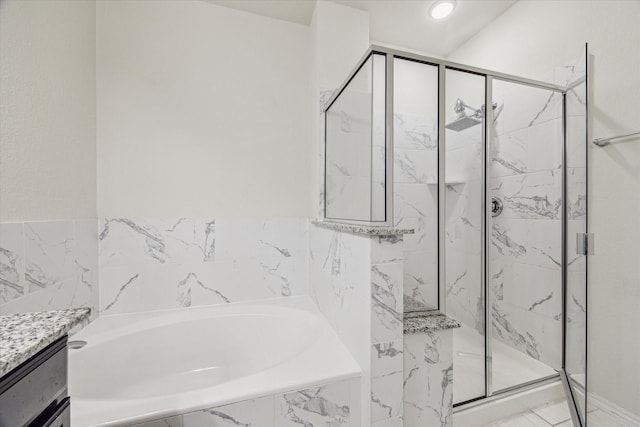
[[363, 230], [428, 321], [23, 335]]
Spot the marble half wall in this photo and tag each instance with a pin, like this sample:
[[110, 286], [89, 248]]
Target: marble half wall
[[152, 264], [356, 281], [428, 379], [331, 405], [48, 265]]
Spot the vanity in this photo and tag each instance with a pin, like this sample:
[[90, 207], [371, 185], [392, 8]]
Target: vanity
[[33, 367]]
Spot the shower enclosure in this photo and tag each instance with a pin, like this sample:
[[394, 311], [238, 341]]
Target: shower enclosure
[[489, 169]]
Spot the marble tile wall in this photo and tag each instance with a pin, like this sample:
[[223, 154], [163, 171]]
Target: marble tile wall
[[151, 264], [526, 239], [464, 227], [48, 265], [428, 379], [415, 202], [357, 283], [525, 250], [387, 289], [332, 405]]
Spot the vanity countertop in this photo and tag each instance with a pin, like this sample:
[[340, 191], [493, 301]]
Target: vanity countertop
[[23, 335], [425, 321]]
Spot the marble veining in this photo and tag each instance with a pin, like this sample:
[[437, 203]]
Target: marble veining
[[25, 334], [525, 252], [367, 230], [48, 265], [156, 263], [328, 405], [428, 379], [11, 262], [412, 304], [417, 322]]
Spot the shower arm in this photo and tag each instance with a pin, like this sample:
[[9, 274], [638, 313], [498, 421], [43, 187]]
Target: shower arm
[[477, 112]]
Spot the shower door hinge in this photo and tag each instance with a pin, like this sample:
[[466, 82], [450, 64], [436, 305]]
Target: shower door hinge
[[585, 244]]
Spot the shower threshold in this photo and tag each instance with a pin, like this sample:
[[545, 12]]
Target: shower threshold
[[509, 402]]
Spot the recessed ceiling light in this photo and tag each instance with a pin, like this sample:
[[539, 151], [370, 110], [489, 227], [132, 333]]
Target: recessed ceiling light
[[442, 8]]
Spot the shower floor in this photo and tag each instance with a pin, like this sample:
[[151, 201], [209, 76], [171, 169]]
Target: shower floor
[[556, 414], [510, 367]]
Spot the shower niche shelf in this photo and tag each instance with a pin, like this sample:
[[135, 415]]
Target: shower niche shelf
[[447, 182]]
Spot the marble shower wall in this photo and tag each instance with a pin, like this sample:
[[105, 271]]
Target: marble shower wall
[[415, 202], [526, 238], [151, 264], [465, 298], [334, 405], [356, 280], [48, 265]]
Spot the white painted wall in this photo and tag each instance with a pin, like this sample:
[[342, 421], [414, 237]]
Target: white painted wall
[[530, 39], [48, 225], [203, 111], [340, 37], [47, 110]]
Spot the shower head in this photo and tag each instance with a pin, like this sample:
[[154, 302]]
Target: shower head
[[462, 123], [465, 121]]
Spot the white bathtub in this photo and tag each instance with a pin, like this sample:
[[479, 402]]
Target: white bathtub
[[146, 366]]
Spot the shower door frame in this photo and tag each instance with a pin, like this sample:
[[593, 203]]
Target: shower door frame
[[489, 75]]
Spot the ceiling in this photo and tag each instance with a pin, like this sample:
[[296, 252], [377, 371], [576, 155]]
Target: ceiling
[[406, 23], [402, 23], [297, 11]]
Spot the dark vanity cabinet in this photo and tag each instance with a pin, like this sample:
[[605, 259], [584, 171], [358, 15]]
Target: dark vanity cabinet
[[35, 393]]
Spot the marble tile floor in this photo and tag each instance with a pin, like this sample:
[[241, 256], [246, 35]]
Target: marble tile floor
[[510, 367], [556, 414]]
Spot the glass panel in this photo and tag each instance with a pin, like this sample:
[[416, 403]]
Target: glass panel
[[576, 194], [355, 147], [525, 255], [415, 174], [465, 94]]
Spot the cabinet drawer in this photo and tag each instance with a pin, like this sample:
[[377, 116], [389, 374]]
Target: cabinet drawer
[[59, 416], [38, 384]]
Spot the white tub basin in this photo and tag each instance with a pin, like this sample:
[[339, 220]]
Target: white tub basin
[[144, 366]]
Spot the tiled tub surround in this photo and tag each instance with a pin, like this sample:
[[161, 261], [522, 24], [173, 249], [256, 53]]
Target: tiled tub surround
[[22, 335], [261, 348], [151, 264], [428, 369], [334, 405], [356, 281], [48, 265]]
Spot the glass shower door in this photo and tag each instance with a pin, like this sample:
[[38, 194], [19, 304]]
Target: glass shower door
[[575, 319]]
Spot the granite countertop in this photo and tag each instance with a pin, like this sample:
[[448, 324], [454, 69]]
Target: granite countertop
[[23, 335], [424, 321], [366, 230]]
